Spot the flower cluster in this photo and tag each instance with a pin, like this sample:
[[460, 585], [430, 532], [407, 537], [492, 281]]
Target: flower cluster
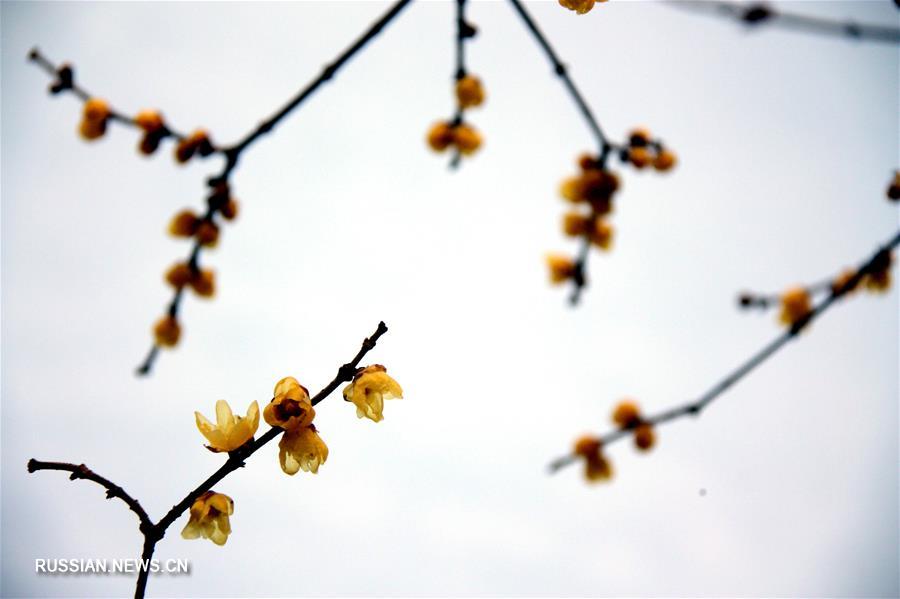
[[463, 137], [591, 193], [205, 233], [795, 303], [209, 518], [642, 151], [579, 6], [627, 417], [300, 447]]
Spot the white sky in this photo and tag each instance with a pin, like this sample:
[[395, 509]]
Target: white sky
[[786, 143]]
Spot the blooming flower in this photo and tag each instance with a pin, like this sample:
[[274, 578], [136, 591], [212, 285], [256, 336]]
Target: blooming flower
[[230, 431], [290, 407], [302, 449], [167, 331], [209, 518], [795, 306], [469, 92], [370, 387]]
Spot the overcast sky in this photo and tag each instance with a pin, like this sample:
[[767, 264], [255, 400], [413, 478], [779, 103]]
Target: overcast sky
[[787, 486]]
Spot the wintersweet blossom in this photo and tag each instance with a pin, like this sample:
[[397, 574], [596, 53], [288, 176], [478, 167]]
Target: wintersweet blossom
[[290, 407], [302, 449], [230, 431], [209, 518], [370, 387]]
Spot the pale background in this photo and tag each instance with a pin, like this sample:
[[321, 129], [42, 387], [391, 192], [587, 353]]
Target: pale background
[[787, 142]]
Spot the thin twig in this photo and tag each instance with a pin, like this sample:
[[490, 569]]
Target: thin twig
[[153, 533], [759, 14], [561, 71], [80, 471], [695, 407]]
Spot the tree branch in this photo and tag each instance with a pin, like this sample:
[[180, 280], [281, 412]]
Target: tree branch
[[758, 14], [80, 471], [695, 407]]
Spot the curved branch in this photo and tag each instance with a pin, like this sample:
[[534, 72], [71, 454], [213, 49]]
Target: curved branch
[[693, 408], [112, 490]]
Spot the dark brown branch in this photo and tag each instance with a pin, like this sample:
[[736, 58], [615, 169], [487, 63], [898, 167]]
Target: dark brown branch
[[233, 153], [760, 14], [695, 407], [560, 69], [80, 471], [153, 533], [65, 82]]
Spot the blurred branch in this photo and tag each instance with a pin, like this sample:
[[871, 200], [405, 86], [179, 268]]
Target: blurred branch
[[695, 407], [757, 14], [153, 533], [562, 72]]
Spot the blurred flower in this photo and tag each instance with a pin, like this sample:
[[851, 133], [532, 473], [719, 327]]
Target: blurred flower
[[202, 281], [151, 122], [302, 449], [562, 268], [197, 142], [795, 306], [207, 233], [626, 414], [893, 190], [469, 92], [370, 387], [575, 224], [209, 518], [230, 431], [841, 283], [94, 118], [639, 157], [579, 6], [878, 279], [290, 408], [463, 137], [601, 234], [664, 161], [644, 436], [184, 224], [596, 466], [167, 331]]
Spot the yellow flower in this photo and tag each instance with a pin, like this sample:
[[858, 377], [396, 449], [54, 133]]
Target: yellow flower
[[370, 387], [151, 122], [440, 136], [626, 414], [94, 118], [795, 306], [879, 277], [596, 466], [469, 92], [196, 143], [579, 6], [290, 407], [302, 449], [664, 161], [167, 331], [466, 139], [184, 224], [644, 437], [575, 224], [639, 157], [602, 234], [209, 518], [562, 268], [230, 431]]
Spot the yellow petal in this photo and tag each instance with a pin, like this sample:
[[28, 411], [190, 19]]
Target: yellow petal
[[285, 385], [224, 416]]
